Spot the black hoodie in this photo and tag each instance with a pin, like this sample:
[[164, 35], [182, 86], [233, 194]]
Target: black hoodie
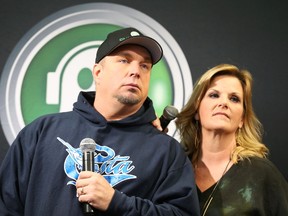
[[147, 168]]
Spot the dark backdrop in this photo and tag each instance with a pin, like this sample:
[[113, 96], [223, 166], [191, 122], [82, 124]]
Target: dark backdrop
[[249, 34]]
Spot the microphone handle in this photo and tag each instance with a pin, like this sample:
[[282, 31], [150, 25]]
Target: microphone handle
[[88, 161], [164, 122], [88, 165]]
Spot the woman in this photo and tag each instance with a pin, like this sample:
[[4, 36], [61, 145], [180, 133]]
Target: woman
[[222, 136]]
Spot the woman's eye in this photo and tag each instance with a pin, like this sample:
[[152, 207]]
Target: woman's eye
[[235, 99], [213, 95]]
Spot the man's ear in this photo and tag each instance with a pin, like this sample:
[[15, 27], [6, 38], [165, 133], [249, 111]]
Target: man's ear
[[96, 71]]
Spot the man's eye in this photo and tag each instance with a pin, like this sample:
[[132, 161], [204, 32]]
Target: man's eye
[[146, 66], [123, 60]]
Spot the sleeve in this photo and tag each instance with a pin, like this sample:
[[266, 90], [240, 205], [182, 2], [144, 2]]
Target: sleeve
[[176, 195], [276, 192], [14, 177]]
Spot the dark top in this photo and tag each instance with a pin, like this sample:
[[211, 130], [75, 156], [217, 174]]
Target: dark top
[[250, 187], [147, 168]]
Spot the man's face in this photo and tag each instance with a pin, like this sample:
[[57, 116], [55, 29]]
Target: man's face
[[124, 75]]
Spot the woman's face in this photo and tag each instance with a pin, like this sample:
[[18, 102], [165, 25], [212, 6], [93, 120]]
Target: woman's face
[[221, 108]]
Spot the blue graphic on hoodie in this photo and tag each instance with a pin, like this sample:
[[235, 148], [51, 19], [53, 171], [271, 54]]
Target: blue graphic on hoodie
[[114, 169]]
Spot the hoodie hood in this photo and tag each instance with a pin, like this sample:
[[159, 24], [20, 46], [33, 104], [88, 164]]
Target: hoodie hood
[[84, 107]]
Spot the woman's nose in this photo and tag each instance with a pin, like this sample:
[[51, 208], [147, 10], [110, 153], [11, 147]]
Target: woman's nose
[[223, 103]]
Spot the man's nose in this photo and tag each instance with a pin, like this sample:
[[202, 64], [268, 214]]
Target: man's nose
[[134, 69]]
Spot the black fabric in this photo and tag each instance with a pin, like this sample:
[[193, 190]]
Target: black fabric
[[129, 36], [147, 168], [249, 188]]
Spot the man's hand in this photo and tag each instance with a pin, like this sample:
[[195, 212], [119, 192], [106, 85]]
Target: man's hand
[[94, 189]]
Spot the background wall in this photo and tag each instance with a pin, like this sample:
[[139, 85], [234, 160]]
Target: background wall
[[249, 34]]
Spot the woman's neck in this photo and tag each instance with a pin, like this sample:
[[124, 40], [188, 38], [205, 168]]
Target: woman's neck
[[214, 159], [217, 147]]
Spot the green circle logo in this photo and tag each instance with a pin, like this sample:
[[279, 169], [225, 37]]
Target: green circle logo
[[54, 61]]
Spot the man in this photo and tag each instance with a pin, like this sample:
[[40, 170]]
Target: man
[[138, 169]]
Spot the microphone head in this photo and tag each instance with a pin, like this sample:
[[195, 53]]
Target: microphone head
[[87, 145], [170, 112]]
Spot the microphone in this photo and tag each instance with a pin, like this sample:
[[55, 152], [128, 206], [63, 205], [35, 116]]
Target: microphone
[[88, 147], [169, 113]]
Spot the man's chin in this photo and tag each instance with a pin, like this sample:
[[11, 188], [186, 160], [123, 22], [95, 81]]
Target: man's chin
[[128, 100]]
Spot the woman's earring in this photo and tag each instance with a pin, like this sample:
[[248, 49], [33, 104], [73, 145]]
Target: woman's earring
[[196, 117]]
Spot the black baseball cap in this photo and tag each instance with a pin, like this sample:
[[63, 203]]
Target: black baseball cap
[[129, 36]]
